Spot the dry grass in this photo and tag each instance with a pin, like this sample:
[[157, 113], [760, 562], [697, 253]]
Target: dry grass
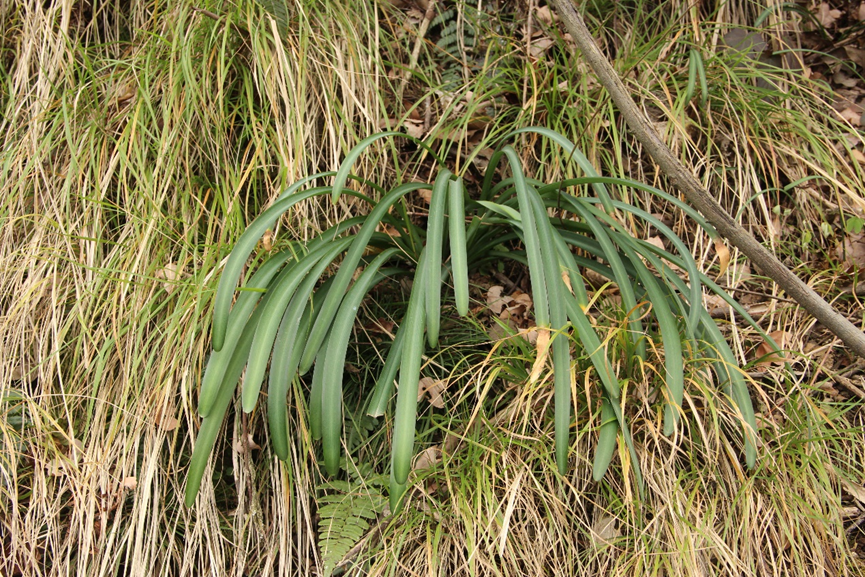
[[140, 138]]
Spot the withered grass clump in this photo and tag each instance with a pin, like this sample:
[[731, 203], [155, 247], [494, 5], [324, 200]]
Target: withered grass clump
[[140, 139]]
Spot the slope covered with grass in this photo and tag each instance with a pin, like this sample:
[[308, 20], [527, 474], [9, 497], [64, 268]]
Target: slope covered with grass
[[139, 139]]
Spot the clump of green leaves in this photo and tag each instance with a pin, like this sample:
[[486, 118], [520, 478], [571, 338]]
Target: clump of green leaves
[[288, 314]]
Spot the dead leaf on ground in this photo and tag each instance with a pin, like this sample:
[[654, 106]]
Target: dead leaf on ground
[[540, 45], [765, 349], [427, 458], [545, 15], [844, 79], [414, 128], [433, 389], [827, 15], [657, 241], [496, 301], [168, 423], [856, 491], [723, 255], [566, 278], [169, 273], [716, 305], [852, 114], [425, 194], [522, 299], [604, 530], [543, 347], [391, 231], [856, 55], [853, 250]]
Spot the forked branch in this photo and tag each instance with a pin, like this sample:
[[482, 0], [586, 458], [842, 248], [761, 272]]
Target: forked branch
[[698, 196]]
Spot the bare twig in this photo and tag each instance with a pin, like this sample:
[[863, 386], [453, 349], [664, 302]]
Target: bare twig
[[699, 197], [415, 53]]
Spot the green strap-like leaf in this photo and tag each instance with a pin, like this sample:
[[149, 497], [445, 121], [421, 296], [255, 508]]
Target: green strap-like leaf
[[287, 349], [281, 293], [629, 301], [342, 175], [578, 156], [384, 385], [560, 341], [346, 271], [729, 375], [219, 360], [211, 424], [531, 240], [673, 360], [459, 261], [434, 243], [409, 376], [316, 392], [243, 248], [334, 366], [609, 432]]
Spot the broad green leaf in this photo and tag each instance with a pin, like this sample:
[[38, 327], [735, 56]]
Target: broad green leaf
[[459, 262], [346, 271], [331, 409], [282, 290], [609, 432], [237, 320], [409, 376], [435, 241]]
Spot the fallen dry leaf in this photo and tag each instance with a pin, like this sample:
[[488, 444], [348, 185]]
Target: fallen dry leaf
[[169, 273], [857, 156], [657, 241], [427, 458], [496, 301], [604, 530], [852, 115], [856, 491], [543, 347], [425, 194], [169, 423], [545, 15], [435, 395], [723, 255], [826, 15], [856, 55], [522, 300], [844, 79], [765, 350], [414, 128], [853, 250], [432, 389], [55, 467], [566, 278], [540, 45], [861, 14]]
